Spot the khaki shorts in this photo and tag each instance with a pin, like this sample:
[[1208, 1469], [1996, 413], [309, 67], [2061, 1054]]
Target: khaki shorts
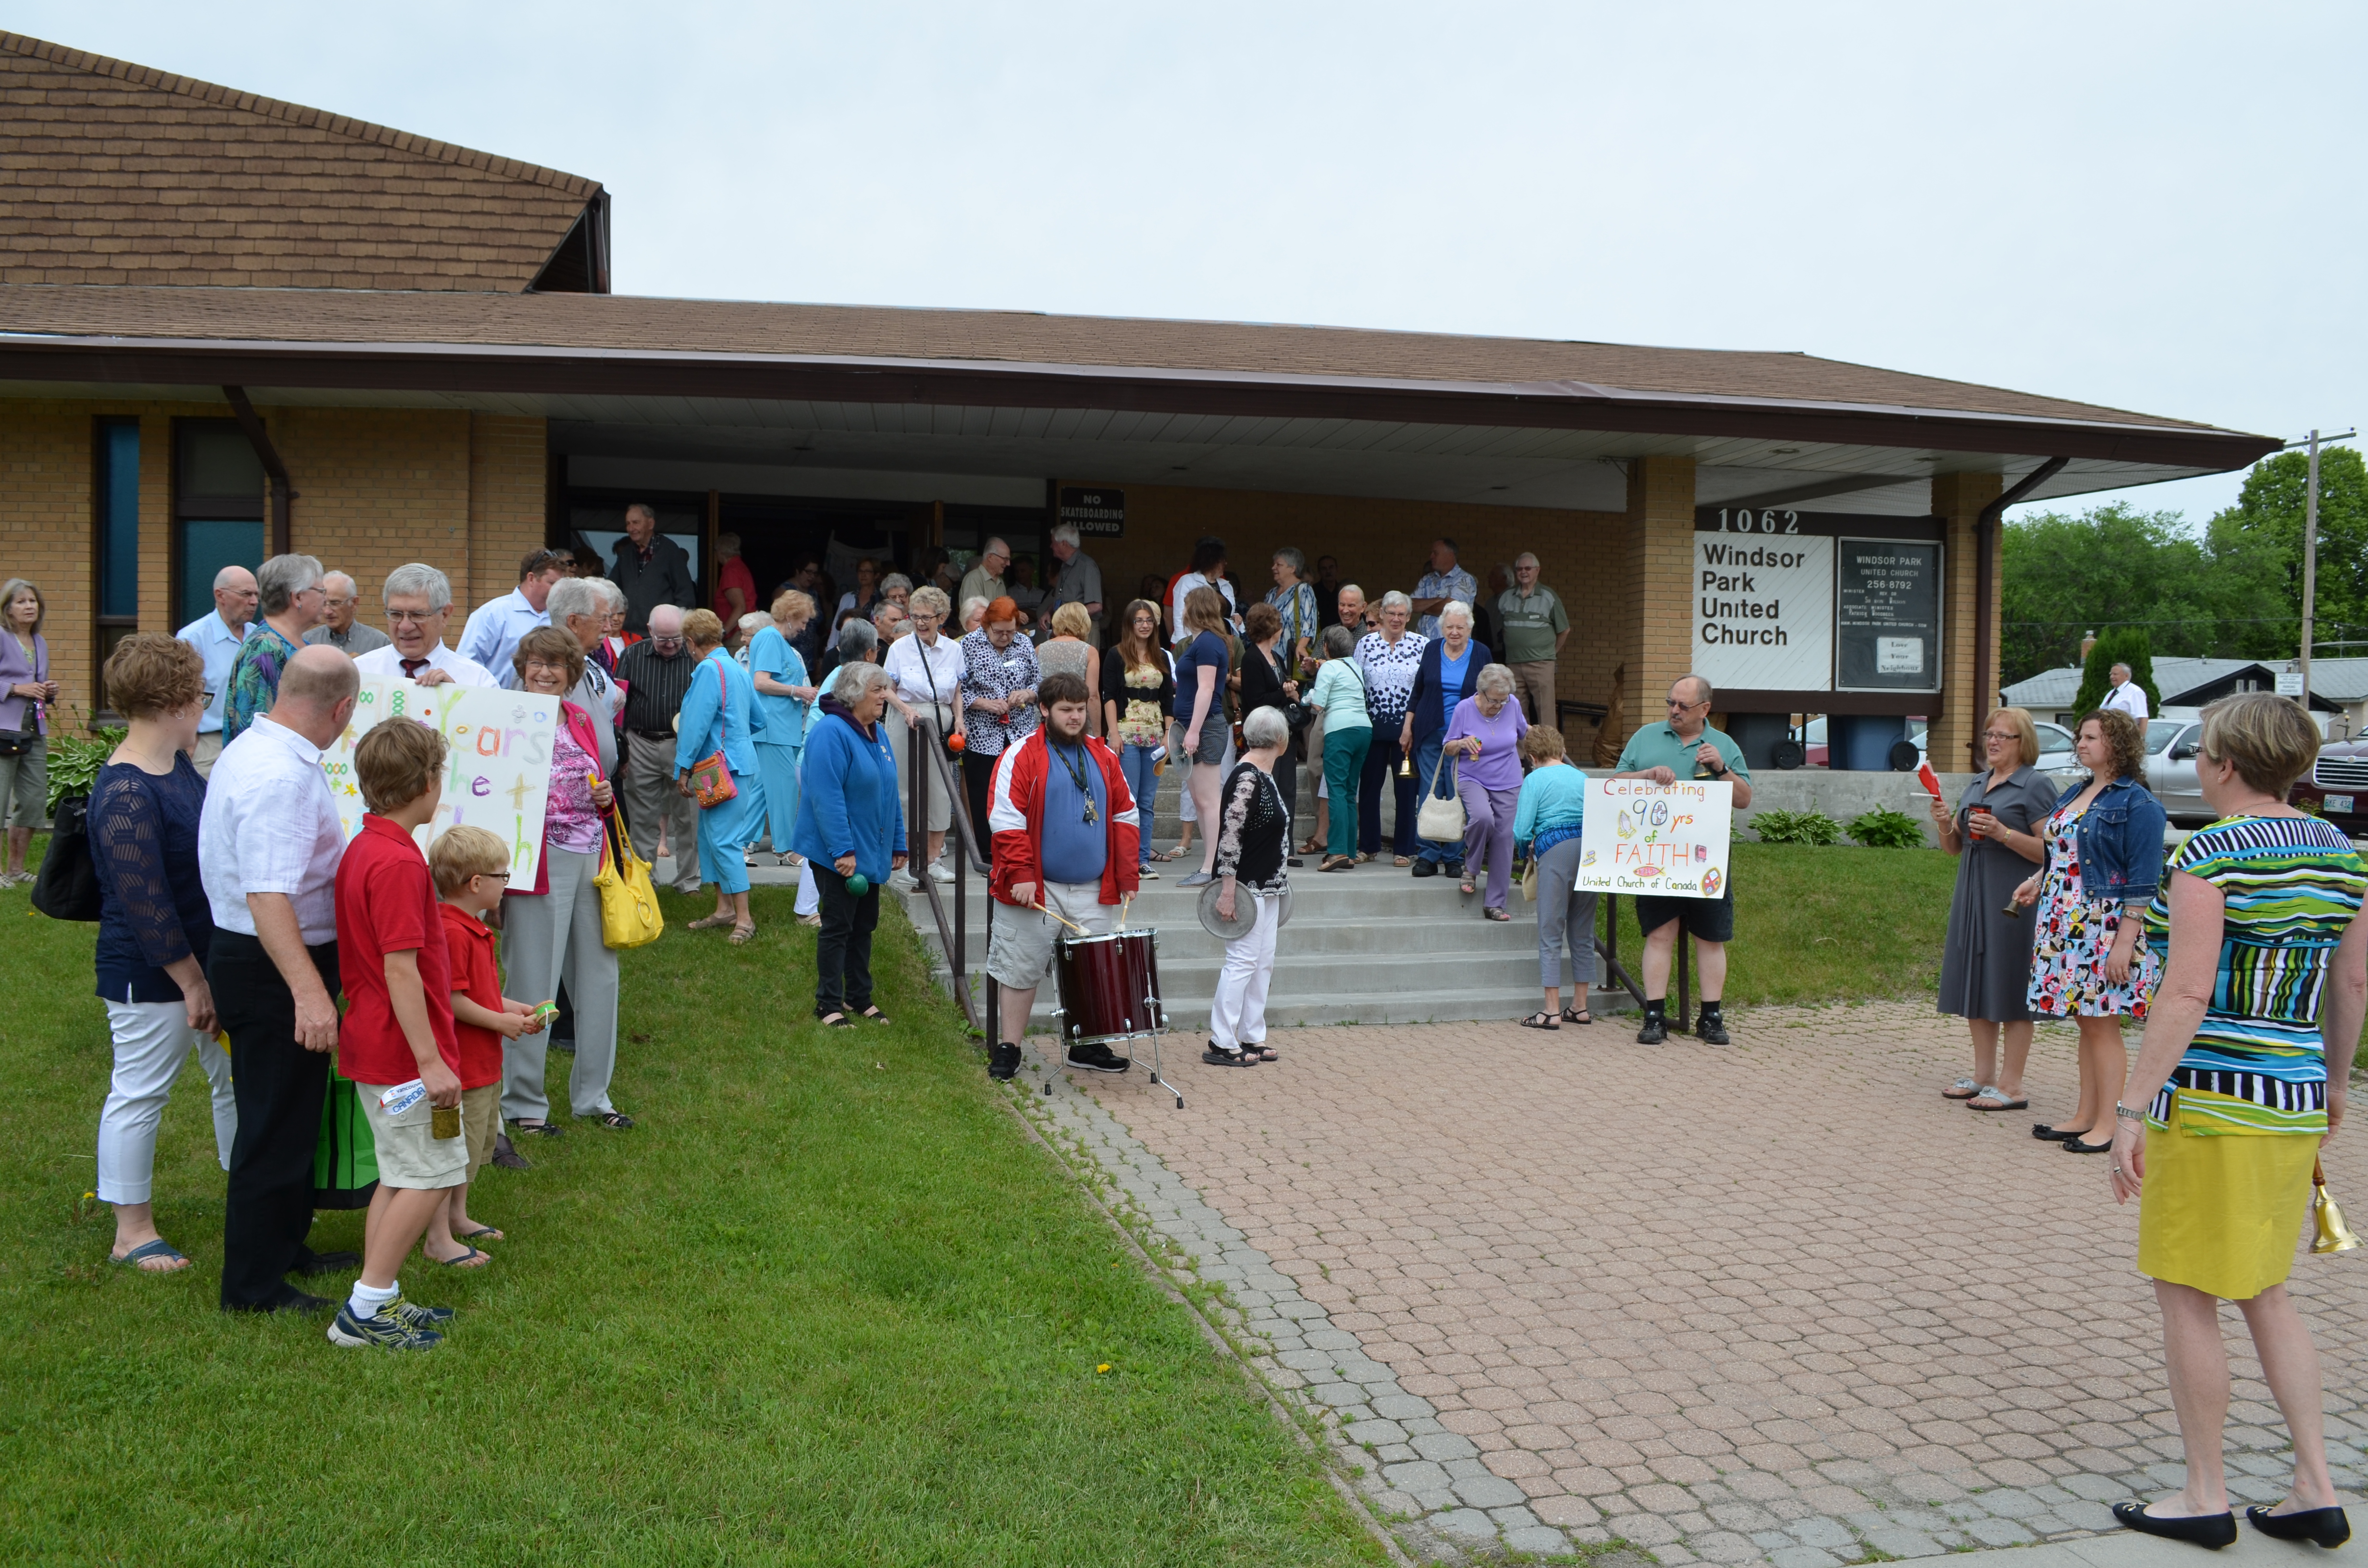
[[481, 1123], [1020, 953], [409, 1155]]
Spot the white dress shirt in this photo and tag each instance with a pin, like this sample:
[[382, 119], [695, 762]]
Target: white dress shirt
[[386, 663], [494, 629], [913, 668], [217, 644], [1184, 586], [271, 825], [2127, 697]]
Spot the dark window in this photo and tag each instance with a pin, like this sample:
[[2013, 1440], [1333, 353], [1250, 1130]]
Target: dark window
[[116, 499], [217, 510]]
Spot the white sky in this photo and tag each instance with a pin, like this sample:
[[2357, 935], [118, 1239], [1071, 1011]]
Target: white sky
[[2153, 206]]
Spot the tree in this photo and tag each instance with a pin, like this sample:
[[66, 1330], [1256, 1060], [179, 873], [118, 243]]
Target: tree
[[2130, 646], [2063, 576], [2259, 540]]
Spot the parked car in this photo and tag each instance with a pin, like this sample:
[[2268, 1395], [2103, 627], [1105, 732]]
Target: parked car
[[2337, 788], [2172, 743], [2056, 758]]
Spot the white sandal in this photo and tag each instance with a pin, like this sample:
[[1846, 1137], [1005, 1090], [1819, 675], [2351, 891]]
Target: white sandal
[[1962, 1089]]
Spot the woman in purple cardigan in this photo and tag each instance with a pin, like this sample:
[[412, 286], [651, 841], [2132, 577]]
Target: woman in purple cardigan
[[26, 692], [1484, 735]]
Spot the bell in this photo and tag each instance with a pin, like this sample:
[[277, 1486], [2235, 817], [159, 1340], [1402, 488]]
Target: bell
[[2334, 1236], [1405, 767]]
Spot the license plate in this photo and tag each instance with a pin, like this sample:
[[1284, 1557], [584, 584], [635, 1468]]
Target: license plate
[[2339, 804]]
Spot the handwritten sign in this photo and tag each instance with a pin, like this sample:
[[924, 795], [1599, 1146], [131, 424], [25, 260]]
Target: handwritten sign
[[1664, 840], [496, 761]]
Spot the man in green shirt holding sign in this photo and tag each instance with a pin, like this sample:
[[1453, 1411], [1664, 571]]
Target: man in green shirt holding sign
[[1685, 747]]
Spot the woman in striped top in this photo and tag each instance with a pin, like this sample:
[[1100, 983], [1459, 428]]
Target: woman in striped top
[[2234, 1090]]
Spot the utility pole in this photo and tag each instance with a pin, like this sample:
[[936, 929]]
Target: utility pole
[[2309, 566]]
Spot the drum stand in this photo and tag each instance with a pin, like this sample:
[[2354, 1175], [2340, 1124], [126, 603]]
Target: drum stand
[[1160, 1017]]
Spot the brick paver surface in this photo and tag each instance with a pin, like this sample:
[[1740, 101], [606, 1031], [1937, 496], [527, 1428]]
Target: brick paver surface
[[1715, 1301]]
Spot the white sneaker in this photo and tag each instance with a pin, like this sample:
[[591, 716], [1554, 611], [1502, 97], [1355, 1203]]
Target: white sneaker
[[937, 872]]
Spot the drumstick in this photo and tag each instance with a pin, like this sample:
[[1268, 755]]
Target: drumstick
[[1123, 905], [1070, 924]]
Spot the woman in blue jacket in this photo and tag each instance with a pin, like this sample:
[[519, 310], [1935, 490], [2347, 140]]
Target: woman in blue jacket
[[1449, 673], [851, 826], [2089, 961], [719, 714]]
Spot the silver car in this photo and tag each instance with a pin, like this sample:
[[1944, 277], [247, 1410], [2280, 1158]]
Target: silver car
[[2170, 746]]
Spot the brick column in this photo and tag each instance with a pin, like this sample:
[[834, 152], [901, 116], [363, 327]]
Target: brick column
[[508, 471], [1966, 692], [1657, 644]]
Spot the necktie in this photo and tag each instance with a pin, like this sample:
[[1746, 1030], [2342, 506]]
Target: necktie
[[411, 667]]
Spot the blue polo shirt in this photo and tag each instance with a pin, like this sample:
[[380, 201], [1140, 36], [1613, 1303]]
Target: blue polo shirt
[[1075, 850], [1450, 682]]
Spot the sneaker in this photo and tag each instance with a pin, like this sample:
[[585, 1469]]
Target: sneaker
[[1425, 868], [1003, 1062], [1711, 1029], [1653, 1032], [1198, 879], [1097, 1058], [937, 872], [415, 1315], [387, 1331]]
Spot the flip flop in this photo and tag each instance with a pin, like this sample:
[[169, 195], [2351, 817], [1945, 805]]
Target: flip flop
[[473, 1258], [160, 1248], [481, 1233]]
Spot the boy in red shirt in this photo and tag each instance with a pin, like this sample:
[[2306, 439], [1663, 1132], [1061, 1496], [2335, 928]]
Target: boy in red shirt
[[396, 1041], [472, 870]]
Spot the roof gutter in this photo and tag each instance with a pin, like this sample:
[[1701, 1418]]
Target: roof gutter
[[1987, 530], [282, 493]]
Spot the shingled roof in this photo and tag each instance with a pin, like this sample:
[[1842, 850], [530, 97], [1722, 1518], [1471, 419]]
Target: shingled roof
[[112, 172]]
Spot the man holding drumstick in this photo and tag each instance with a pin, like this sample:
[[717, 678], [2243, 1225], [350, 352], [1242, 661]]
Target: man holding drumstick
[[1066, 850]]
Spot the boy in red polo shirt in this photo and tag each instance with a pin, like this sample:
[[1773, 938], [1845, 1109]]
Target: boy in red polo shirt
[[473, 870], [396, 1041]]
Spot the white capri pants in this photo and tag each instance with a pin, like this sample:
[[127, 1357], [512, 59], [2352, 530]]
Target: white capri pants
[[152, 1040], [1237, 1017]]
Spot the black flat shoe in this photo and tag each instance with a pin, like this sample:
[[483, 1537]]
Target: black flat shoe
[[310, 1263], [2047, 1134], [2073, 1145], [2326, 1527], [2214, 1531]]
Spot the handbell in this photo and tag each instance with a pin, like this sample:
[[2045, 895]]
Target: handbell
[[2334, 1236], [1405, 767]]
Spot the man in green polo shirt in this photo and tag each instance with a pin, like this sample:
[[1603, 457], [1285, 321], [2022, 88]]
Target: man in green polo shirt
[[1685, 747], [1534, 626]]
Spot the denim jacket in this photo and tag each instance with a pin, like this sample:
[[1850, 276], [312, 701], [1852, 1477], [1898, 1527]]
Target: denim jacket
[[2119, 840]]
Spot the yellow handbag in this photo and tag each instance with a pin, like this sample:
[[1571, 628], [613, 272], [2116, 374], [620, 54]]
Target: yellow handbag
[[629, 903]]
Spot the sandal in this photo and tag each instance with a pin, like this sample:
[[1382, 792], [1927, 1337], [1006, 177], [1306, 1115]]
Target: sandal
[[1339, 863], [1467, 887], [1576, 1015], [836, 1021], [1262, 1051], [710, 923], [481, 1233], [1311, 847], [1216, 1058], [874, 1015], [473, 1258], [1993, 1093], [1164, 856], [614, 1120], [740, 934], [171, 1256], [1494, 915], [810, 920], [1403, 860], [540, 1128], [1540, 1020], [1962, 1089]]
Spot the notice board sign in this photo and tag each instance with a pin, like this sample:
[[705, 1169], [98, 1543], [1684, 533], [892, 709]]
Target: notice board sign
[[1099, 513], [1887, 615], [1764, 611], [496, 761], [1666, 840]]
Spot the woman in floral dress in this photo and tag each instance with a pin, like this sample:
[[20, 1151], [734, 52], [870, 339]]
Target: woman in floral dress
[[2087, 963]]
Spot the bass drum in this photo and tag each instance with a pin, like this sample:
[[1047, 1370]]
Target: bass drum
[[1109, 987]]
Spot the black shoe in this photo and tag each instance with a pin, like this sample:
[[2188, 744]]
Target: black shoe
[[1294, 860], [567, 1045], [505, 1155], [2074, 1146], [1003, 1062], [1097, 1058], [1653, 1032], [2047, 1134], [290, 1300], [2327, 1526], [1711, 1029], [310, 1263], [2215, 1530], [1425, 868]]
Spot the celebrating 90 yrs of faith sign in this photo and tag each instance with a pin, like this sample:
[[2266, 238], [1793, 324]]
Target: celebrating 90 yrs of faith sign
[[497, 763], [1667, 840]]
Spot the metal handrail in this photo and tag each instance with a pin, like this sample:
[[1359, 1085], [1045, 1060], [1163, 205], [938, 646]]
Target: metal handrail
[[953, 939]]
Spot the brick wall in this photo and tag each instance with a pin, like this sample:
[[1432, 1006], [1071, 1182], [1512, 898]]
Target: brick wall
[[1657, 647], [1959, 498], [375, 488], [1383, 544]]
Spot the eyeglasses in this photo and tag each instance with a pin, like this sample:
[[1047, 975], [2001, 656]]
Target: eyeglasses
[[667, 642], [411, 616], [494, 876], [1678, 707]]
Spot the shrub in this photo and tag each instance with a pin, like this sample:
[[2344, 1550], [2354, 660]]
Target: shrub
[[1883, 828], [1796, 827], [75, 757]]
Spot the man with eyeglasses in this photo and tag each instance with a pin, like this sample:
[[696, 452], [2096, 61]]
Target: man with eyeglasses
[[338, 628], [418, 600], [655, 674], [1685, 747], [289, 590]]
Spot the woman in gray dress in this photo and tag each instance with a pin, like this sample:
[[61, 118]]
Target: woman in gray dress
[[1986, 969]]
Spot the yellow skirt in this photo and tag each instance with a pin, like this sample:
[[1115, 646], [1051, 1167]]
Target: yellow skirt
[[2223, 1214]]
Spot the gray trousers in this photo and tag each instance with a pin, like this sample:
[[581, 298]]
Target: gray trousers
[[548, 938], [1565, 918], [652, 802]]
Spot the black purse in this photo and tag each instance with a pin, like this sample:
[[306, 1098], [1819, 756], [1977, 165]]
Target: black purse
[[67, 887], [16, 742]]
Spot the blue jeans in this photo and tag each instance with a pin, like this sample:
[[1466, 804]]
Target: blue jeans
[[1143, 783], [1438, 852]]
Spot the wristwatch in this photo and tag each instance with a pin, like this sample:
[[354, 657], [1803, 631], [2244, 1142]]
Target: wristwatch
[[2126, 1114]]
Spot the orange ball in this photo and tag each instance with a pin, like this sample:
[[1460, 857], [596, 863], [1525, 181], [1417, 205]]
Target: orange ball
[[955, 743]]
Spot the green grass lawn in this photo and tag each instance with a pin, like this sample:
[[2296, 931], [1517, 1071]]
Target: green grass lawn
[[1817, 924], [828, 1303]]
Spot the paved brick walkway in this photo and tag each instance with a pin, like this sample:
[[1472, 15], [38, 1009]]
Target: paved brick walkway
[[1778, 1303]]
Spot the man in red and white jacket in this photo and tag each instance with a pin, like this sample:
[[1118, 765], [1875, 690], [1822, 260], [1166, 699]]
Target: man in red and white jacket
[[1064, 839]]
